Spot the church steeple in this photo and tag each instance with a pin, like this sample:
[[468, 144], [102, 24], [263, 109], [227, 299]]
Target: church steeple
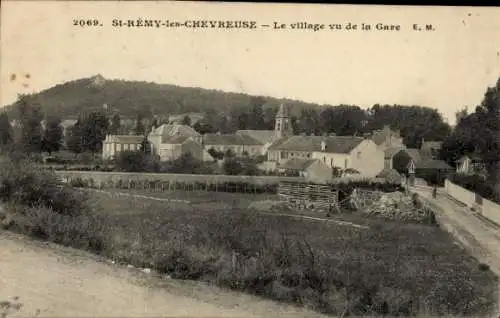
[[283, 124]]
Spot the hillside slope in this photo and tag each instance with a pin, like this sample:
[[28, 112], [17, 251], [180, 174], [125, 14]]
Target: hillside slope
[[132, 97]]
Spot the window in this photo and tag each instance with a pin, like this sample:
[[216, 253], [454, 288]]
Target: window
[[345, 164], [324, 159], [358, 155], [279, 126], [331, 162]]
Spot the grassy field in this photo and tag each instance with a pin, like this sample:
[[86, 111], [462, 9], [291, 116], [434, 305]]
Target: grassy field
[[390, 268]]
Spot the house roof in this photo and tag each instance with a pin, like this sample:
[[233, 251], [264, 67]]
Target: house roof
[[297, 164], [433, 164], [126, 139], [175, 140], [230, 139], [168, 130], [334, 144], [264, 136]]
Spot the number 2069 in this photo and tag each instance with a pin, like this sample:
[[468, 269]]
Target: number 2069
[[86, 23]]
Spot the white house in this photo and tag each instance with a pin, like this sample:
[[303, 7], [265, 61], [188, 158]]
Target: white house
[[470, 165], [174, 147], [345, 152], [114, 144], [159, 136]]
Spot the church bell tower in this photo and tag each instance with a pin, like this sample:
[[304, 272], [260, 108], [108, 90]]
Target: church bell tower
[[283, 125]]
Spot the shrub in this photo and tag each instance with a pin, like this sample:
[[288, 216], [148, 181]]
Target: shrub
[[135, 161], [23, 183]]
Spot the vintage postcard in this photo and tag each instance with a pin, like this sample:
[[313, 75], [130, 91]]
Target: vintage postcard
[[217, 159]]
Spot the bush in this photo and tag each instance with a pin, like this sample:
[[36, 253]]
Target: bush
[[40, 205], [135, 161], [22, 183]]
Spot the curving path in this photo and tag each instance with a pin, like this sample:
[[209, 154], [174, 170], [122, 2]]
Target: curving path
[[54, 281]]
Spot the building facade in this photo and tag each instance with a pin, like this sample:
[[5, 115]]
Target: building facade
[[114, 144]]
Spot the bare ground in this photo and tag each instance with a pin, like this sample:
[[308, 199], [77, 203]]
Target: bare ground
[[51, 280]]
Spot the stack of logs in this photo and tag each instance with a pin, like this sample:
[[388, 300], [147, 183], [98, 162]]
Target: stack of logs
[[317, 197]]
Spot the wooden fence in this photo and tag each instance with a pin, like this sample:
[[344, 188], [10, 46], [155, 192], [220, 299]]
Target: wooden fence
[[160, 182]]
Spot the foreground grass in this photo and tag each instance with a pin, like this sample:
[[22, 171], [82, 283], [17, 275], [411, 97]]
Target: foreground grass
[[388, 269]]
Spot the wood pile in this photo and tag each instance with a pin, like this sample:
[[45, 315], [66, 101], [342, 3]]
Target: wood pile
[[308, 196], [395, 206]]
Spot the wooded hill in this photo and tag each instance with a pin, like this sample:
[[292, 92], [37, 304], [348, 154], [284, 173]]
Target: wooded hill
[[130, 98]]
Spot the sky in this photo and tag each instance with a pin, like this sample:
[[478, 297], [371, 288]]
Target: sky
[[447, 68]]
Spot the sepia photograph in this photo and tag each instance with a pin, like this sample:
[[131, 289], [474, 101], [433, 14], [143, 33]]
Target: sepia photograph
[[224, 159]]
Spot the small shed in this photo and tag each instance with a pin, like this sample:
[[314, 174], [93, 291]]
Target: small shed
[[313, 170]]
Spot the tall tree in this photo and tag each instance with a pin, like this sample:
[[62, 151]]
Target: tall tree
[[343, 120], [488, 135], [74, 138], [94, 128], [139, 125], [115, 125], [413, 122], [6, 133], [52, 135], [256, 113], [308, 122], [478, 133], [31, 117]]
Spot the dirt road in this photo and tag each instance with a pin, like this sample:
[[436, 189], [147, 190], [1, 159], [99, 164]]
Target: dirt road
[[55, 281]]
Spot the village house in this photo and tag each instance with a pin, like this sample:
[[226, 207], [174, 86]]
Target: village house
[[238, 144], [161, 142], [430, 149], [265, 137], [313, 170], [344, 152], [386, 138], [173, 147], [470, 164], [114, 144]]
